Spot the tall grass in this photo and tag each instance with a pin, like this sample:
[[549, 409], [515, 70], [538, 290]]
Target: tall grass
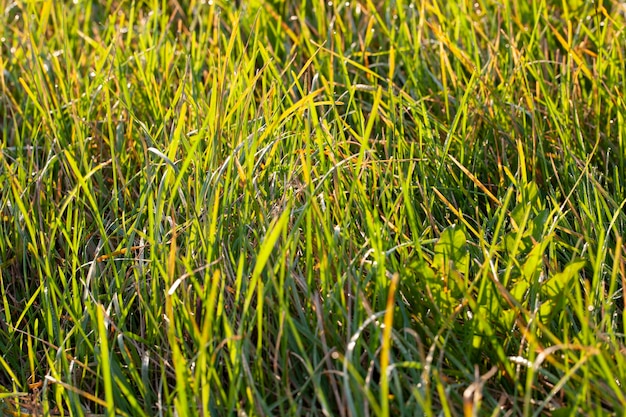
[[312, 208]]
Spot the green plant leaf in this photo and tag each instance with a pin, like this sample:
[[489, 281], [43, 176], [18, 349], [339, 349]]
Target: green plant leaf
[[451, 251], [560, 282], [556, 289], [534, 261]]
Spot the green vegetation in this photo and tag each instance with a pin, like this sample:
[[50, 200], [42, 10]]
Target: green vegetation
[[355, 208]]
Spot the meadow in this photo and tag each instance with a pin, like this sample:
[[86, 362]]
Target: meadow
[[337, 208]]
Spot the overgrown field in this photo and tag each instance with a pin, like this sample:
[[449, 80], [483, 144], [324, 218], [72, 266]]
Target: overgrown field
[[362, 208]]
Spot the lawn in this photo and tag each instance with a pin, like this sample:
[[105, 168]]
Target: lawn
[[361, 208]]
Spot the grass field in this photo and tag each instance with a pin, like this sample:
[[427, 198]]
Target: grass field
[[363, 208]]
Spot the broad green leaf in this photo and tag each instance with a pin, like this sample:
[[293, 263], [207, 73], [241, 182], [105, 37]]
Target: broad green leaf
[[530, 194], [451, 251], [557, 288], [537, 225], [518, 213], [509, 244], [534, 261], [436, 285], [559, 283], [519, 289]]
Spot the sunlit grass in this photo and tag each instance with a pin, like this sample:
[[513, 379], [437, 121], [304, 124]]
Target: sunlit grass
[[318, 208]]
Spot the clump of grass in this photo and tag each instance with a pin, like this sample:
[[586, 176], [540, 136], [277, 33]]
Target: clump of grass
[[342, 208]]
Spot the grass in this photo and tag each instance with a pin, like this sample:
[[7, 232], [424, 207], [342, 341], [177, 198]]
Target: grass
[[317, 208]]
